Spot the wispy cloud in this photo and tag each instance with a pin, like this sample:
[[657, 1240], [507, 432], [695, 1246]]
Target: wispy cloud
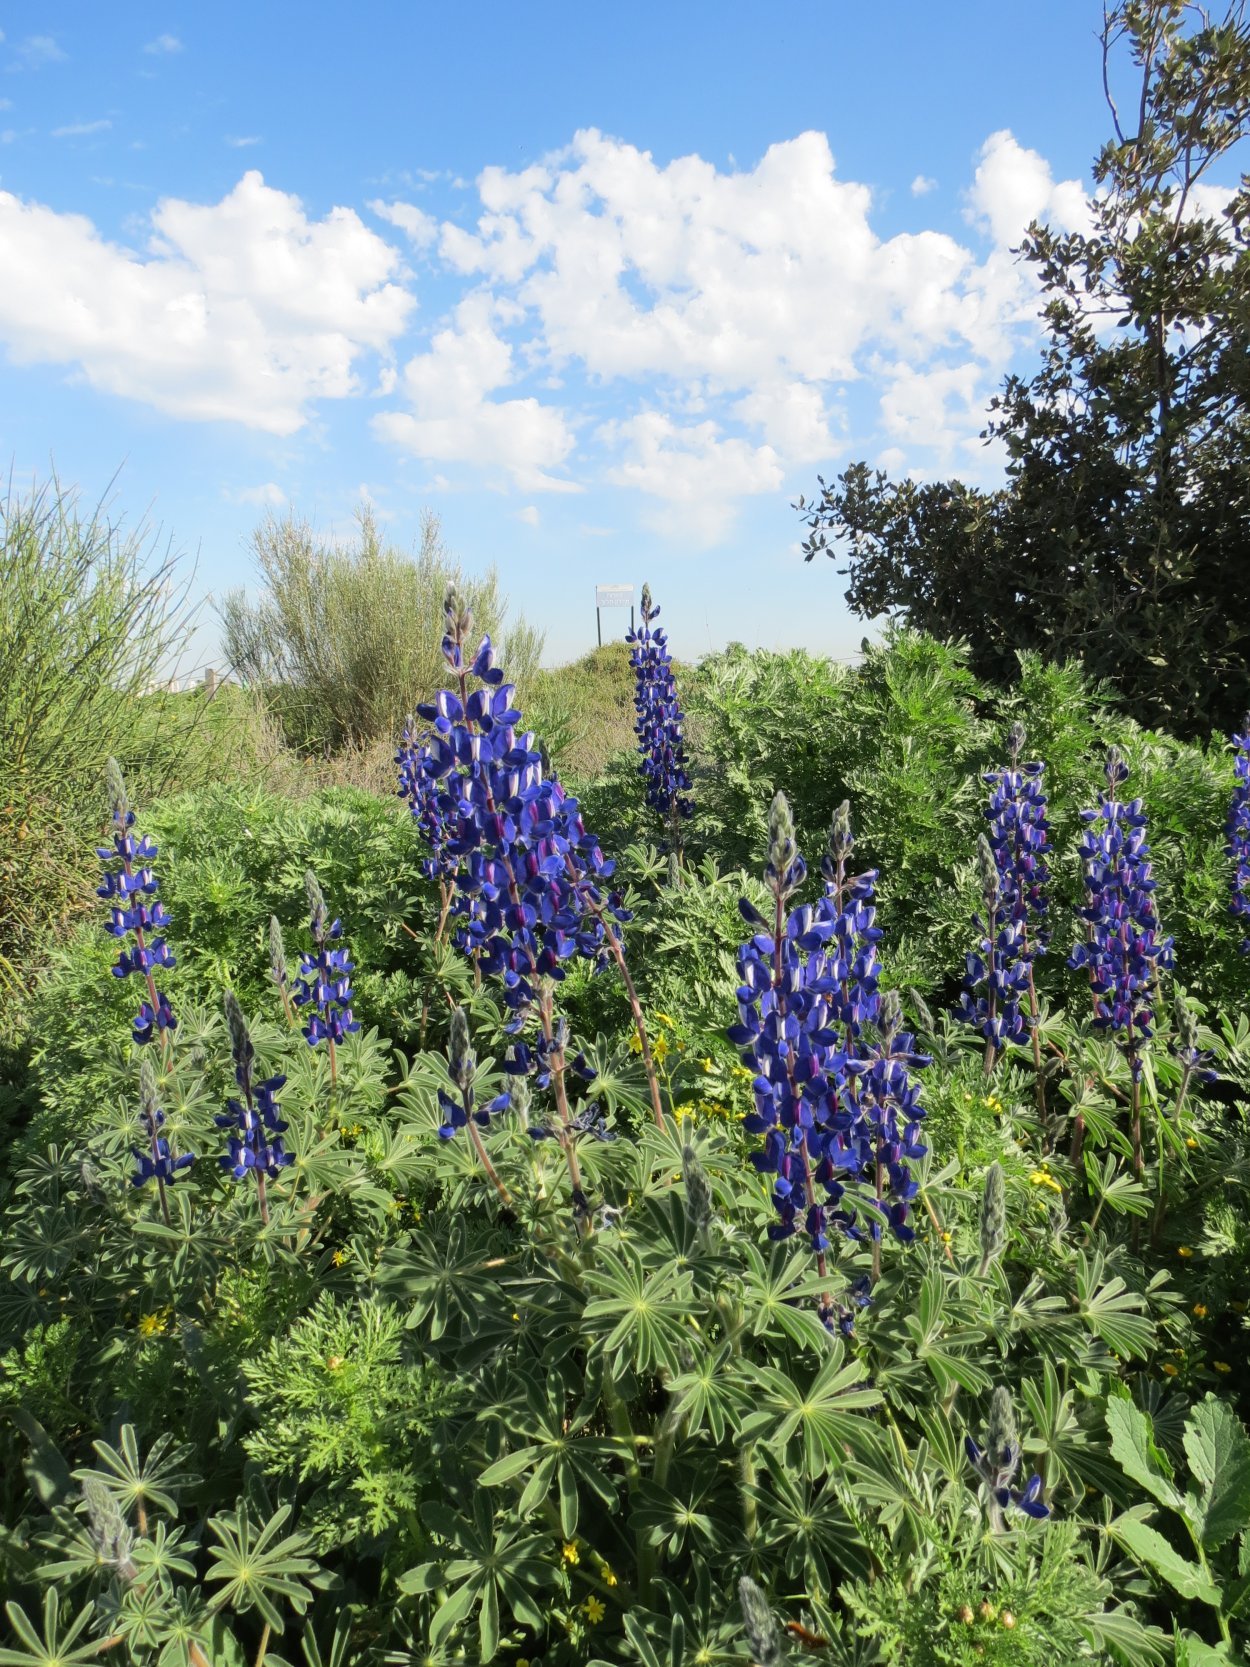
[[243, 142], [268, 496], [529, 515], [922, 185], [79, 130], [5, 103], [163, 44], [37, 50]]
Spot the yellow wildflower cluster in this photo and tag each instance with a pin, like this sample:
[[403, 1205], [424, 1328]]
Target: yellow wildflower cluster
[[1043, 1178]]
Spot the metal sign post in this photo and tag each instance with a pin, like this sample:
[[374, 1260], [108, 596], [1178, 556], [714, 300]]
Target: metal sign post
[[612, 596]]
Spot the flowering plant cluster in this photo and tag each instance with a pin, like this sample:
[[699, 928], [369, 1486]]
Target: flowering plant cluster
[[1123, 952], [325, 977], [1013, 874], [1238, 831], [840, 1120], [659, 724], [129, 885]]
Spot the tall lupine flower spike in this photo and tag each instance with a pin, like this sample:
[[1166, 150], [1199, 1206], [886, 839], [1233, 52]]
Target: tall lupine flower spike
[[1238, 830], [1123, 953], [325, 981], [996, 976], [255, 1144], [837, 1124], [461, 1109], [419, 786], [278, 969], [155, 1160], [532, 881], [659, 723], [993, 1217], [129, 886], [999, 1461]]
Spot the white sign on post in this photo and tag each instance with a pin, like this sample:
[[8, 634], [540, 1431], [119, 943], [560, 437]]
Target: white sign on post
[[612, 596]]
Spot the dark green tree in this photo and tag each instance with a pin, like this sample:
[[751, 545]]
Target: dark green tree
[[1122, 533]]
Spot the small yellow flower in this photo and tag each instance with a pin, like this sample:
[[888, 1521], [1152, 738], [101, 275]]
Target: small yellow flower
[[1221, 1366], [1191, 1142], [635, 1043], [1200, 1310], [708, 1065], [570, 1553], [659, 1049], [339, 1257], [1183, 1250], [595, 1610], [152, 1325], [1170, 1368], [1040, 1178], [946, 1238], [516, 1316], [608, 1574], [665, 1020]]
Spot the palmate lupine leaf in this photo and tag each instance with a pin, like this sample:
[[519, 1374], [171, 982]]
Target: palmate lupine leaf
[[778, 1288], [498, 1567], [553, 1459], [1111, 1310], [261, 1568], [55, 1648], [713, 1394], [1068, 1450], [822, 1416], [645, 1315], [136, 1482]]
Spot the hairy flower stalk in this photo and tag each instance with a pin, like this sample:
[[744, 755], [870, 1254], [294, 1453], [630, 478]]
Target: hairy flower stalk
[[1011, 861], [658, 725], [155, 1161], [325, 981], [998, 1463], [129, 885], [993, 1218], [531, 881], [1238, 830], [278, 969], [840, 1119], [1123, 952], [463, 1112], [255, 1144]]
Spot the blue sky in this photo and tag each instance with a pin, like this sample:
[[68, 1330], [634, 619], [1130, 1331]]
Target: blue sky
[[605, 288]]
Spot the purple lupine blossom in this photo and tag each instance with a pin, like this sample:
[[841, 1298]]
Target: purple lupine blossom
[[155, 1160], [997, 1463], [659, 721], [1014, 876], [840, 1121], [325, 981], [419, 786], [1123, 952], [462, 1069], [255, 1145], [129, 886], [1238, 830]]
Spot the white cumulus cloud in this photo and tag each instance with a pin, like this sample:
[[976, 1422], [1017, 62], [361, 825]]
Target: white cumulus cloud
[[243, 310], [163, 45]]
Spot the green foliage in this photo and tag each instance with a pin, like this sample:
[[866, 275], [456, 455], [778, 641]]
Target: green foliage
[[1119, 536], [346, 641]]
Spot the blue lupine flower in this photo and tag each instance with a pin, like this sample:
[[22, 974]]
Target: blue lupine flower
[[462, 1069], [255, 1145], [1014, 876], [999, 1461], [840, 1123], [1238, 830], [325, 981], [659, 721], [129, 885], [155, 1161], [1123, 952], [419, 786]]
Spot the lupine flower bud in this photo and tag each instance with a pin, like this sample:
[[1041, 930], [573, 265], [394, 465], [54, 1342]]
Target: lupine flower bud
[[255, 1143], [1016, 737], [699, 1201], [987, 870], [240, 1041], [1195, 1059], [890, 1015], [115, 786], [998, 1463], [841, 840], [993, 1216], [277, 953], [316, 905], [765, 1640], [786, 869], [461, 1060], [111, 1535]]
